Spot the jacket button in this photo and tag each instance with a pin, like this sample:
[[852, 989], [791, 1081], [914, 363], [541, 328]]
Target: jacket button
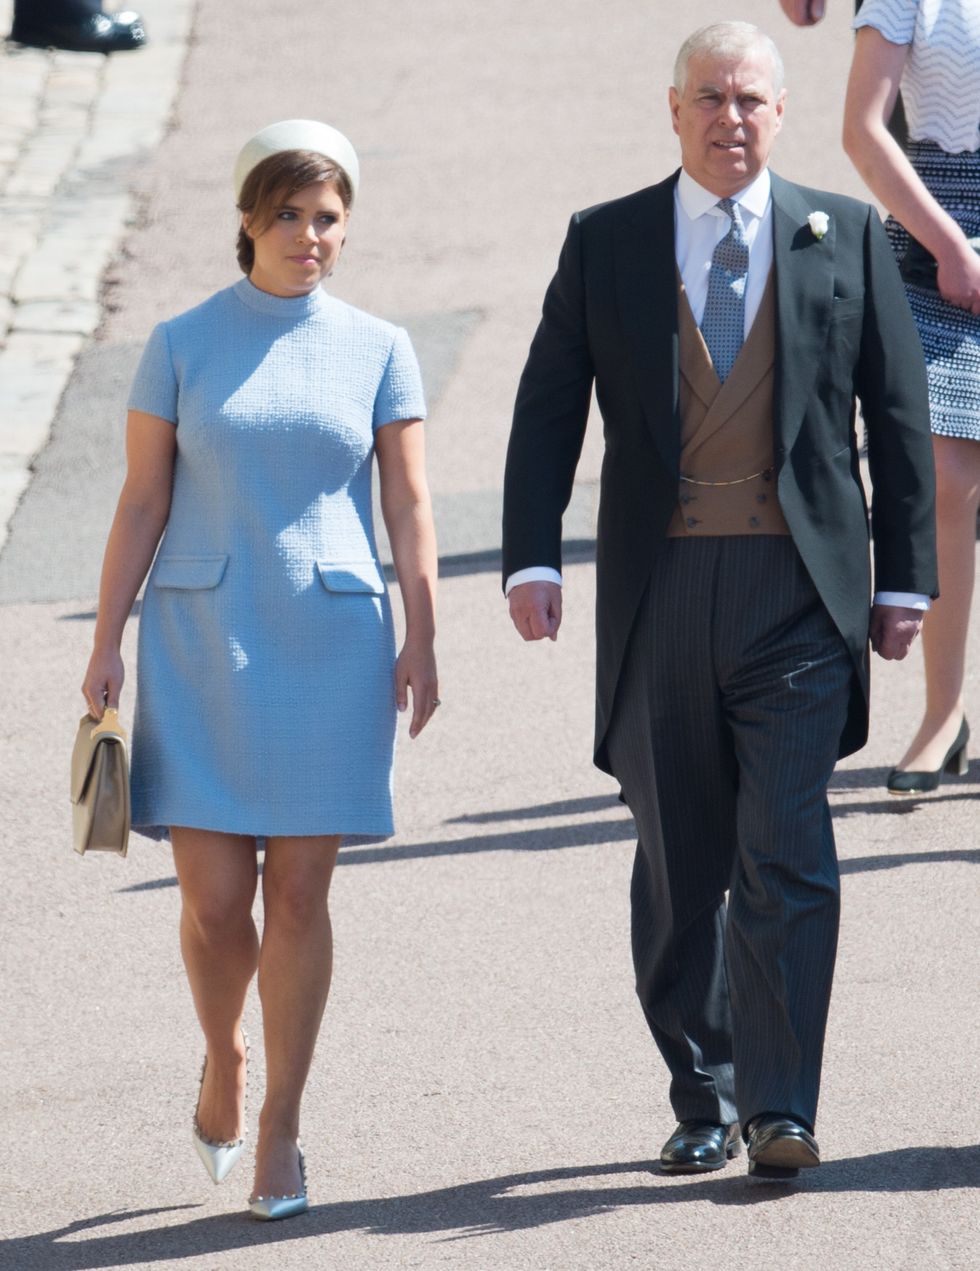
[[691, 522], [760, 498], [685, 499], [754, 521]]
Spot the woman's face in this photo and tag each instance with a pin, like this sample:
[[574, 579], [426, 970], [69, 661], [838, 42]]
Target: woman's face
[[301, 244]]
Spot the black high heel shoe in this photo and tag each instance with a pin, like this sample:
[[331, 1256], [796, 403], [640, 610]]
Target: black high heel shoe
[[955, 763]]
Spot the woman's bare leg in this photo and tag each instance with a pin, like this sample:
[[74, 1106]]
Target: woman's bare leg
[[217, 875], [295, 965], [945, 628]]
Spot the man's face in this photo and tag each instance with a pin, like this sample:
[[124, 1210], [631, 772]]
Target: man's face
[[727, 118]]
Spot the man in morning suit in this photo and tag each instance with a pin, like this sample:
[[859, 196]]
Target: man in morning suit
[[734, 596]]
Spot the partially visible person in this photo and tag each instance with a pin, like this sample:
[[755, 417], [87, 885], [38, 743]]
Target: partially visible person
[[80, 26], [804, 12], [932, 190], [809, 13]]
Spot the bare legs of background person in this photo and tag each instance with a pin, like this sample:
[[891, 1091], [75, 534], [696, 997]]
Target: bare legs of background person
[[944, 631], [218, 875]]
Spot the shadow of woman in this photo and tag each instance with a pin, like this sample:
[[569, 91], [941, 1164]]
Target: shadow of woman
[[511, 1202]]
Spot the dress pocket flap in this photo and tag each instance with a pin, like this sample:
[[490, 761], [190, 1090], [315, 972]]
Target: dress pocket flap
[[192, 573], [359, 575]]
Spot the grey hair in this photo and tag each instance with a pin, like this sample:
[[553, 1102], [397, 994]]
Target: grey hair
[[727, 39]]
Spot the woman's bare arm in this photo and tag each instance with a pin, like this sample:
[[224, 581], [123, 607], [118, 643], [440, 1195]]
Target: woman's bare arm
[[407, 511], [876, 72], [141, 515]]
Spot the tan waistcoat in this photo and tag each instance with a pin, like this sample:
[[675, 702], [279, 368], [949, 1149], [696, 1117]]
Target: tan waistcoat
[[726, 432]]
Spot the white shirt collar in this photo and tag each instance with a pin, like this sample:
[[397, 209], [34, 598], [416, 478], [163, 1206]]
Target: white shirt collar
[[695, 200]]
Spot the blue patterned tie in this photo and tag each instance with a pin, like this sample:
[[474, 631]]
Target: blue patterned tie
[[723, 324]]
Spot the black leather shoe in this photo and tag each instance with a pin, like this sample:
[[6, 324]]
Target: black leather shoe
[[696, 1147], [91, 33], [780, 1147]]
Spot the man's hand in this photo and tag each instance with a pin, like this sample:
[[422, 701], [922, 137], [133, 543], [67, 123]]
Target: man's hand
[[535, 609], [804, 12], [893, 628]]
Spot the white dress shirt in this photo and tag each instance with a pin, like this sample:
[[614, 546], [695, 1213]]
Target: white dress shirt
[[699, 225]]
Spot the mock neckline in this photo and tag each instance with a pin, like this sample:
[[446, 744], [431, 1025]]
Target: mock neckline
[[279, 306]]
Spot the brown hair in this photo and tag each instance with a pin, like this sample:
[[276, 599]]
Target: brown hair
[[275, 180]]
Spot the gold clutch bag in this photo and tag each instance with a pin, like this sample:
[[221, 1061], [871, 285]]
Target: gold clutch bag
[[100, 785]]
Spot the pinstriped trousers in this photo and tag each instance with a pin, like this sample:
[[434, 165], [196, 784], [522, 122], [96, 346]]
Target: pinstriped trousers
[[724, 737]]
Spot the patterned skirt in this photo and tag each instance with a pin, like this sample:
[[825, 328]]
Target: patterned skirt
[[950, 336]]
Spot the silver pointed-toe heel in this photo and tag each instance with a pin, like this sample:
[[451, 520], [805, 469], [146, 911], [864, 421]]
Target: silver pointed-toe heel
[[274, 1208], [219, 1157]]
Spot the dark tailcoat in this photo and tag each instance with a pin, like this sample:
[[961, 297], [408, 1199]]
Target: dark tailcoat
[[843, 330]]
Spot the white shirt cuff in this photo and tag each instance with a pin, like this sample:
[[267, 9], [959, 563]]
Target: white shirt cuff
[[904, 599], [534, 574]]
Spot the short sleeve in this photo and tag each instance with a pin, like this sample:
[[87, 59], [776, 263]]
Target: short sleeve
[[895, 19], [155, 386], [399, 394]]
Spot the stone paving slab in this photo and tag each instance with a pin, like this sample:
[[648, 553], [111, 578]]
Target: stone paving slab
[[73, 127]]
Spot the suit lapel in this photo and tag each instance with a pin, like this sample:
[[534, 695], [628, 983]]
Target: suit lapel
[[646, 287], [804, 267], [695, 360]]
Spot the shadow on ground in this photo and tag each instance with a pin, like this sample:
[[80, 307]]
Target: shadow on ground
[[875, 778], [892, 860], [554, 838], [512, 1202], [551, 838]]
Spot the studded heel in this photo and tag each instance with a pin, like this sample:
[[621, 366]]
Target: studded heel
[[219, 1157], [274, 1208]]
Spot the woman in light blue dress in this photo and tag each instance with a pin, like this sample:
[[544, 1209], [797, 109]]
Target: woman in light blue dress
[[268, 682]]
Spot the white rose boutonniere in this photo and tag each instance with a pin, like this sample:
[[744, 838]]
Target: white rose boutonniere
[[819, 223]]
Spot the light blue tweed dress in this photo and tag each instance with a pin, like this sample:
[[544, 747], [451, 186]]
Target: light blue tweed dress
[[265, 698]]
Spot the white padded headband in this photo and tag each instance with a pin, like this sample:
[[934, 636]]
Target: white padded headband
[[297, 134]]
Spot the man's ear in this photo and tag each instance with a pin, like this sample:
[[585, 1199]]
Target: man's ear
[[674, 98], [246, 225]]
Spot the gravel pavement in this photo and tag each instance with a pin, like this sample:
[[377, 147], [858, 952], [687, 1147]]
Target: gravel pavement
[[485, 1095]]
